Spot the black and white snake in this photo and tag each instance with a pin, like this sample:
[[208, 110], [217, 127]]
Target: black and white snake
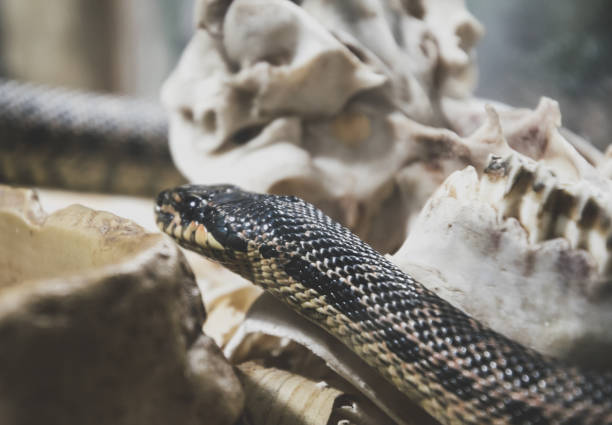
[[459, 370]]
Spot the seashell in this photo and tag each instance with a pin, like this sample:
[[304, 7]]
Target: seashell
[[524, 251], [281, 98]]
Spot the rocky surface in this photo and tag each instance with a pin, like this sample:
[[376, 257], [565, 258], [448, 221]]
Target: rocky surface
[[100, 323]]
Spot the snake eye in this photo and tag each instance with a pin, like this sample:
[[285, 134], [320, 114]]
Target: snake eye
[[192, 201]]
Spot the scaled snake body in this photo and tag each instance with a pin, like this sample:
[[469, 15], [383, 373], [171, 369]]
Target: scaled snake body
[[459, 370]]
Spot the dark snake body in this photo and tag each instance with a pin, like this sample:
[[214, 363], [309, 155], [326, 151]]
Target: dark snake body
[[69, 139], [459, 370]]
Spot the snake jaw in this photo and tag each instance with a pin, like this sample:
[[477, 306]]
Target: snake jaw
[[167, 219], [193, 215], [190, 215], [213, 243]]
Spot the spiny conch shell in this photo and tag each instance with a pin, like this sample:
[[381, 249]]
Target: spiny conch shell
[[492, 127], [313, 100], [501, 131], [524, 251]]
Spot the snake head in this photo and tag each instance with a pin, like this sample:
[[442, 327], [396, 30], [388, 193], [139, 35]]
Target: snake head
[[241, 229], [197, 217]]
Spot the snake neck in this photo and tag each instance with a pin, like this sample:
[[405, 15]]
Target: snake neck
[[459, 370]]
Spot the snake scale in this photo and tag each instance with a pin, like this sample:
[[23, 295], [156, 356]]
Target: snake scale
[[456, 368], [77, 140]]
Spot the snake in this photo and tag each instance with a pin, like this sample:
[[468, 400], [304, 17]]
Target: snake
[[458, 369], [63, 138]]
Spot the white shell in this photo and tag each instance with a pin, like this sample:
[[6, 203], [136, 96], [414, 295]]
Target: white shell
[[523, 251], [318, 100]]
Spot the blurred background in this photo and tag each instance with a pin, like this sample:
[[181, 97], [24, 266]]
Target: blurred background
[[561, 49], [531, 48], [124, 46]]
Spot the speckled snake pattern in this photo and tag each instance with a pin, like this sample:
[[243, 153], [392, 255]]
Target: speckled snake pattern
[[457, 369]]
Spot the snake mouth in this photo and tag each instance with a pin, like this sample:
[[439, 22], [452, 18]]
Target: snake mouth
[[186, 214], [199, 215], [188, 234], [165, 213], [166, 219]]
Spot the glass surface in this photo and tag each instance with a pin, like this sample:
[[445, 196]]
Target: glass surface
[[560, 49]]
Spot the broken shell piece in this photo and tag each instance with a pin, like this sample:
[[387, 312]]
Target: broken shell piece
[[272, 393], [226, 295], [100, 323], [227, 308], [522, 252], [278, 397]]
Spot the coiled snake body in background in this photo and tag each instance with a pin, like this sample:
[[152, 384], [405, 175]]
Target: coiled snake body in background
[[459, 370], [69, 139]]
